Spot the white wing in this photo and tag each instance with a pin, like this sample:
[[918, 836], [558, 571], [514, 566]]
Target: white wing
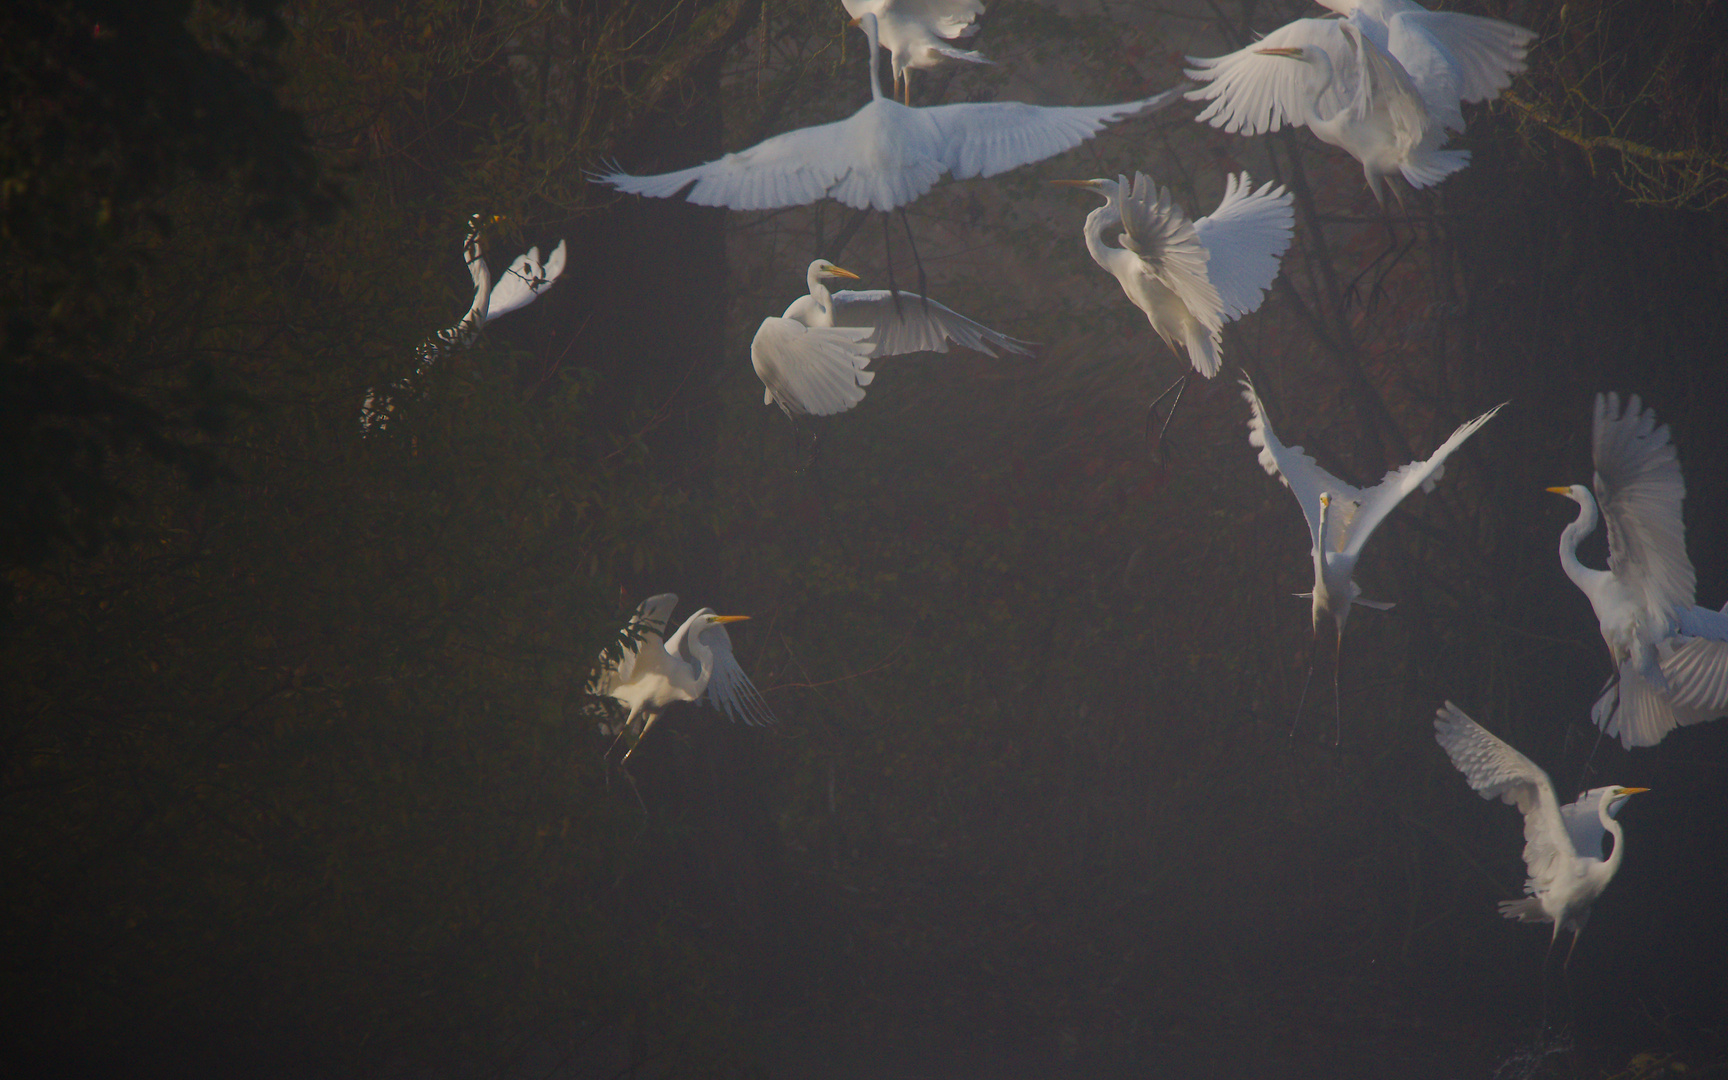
[[1252, 93], [1385, 87], [1435, 72], [1639, 489], [919, 325], [811, 371], [1379, 500], [1696, 669], [1245, 238], [1156, 229], [948, 18], [1495, 770], [729, 689], [1486, 52], [650, 622], [525, 280], [841, 159], [1300, 473], [986, 138]]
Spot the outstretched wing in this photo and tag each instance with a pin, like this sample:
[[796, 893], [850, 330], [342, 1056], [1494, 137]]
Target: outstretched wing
[[1300, 473], [729, 689], [1379, 500], [525, 280], [811, 370], [986, 138], [1245, 238], [1496, 771], [1486, 52], [917, 325], [1253, 93], [1639, 489], [648, 624], [1156, 229]]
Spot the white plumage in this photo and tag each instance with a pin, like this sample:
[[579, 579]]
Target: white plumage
[[886, 154], [1190, 278], [1670, 656], [811, 359], [1562, 845], [921, 33]]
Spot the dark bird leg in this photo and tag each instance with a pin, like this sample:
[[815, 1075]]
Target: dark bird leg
[[1313, 647], [888, 257], [1337, 699], [1178, 386], [912, 241]]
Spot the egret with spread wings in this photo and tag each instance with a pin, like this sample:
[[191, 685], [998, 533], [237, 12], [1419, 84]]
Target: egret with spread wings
[[886, 154], [1670, 656], [520, 284], [1563, 845], [1190, 277], [1341, 518], [811, 359], [695, 665], [1383, 84], [921, 33]]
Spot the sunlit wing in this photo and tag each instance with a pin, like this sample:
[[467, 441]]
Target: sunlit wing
[[1435, 72], [1300, 473], [916, 325], [1379, 500], [1639, 489], [1245, 238], [1486, 52], [1386, 87], [811, 371], [1252, 93], [1496, 771], [648, 623], [1156, 229], [525, 280], [986, 138]]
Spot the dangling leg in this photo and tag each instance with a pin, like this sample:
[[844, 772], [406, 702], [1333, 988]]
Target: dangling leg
[[1337, 699], [923, 286], [907, 76], [1179, 386], [1313, 647], [888, 257]]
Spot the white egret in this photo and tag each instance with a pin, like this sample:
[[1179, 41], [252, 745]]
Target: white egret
[[1562, 844], [886, 154], [1333, 77], [1341, 518], [811, 359], [921, 33], [1670, 656], [1190, 278], [520, 284], [695, 665]]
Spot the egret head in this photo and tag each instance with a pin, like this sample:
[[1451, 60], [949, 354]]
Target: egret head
[[721, 620], [1618, 795], [824, 269], [1576, 492], [1107, 188]]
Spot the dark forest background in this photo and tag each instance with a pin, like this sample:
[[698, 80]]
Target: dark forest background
[[298, 772]]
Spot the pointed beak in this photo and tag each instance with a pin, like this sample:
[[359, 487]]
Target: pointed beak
[[837, 272], [730, 618], [1559, 491], [855, 22], [1294, 54], [1090, 185], [1633, 791]]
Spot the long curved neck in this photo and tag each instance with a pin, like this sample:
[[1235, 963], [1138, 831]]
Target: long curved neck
[[818, 291], [1096, 222], [1612, 827], [482, 274], [1324, 59], [1582, 576]]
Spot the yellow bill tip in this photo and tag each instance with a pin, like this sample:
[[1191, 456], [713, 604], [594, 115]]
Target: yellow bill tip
[[1558, 490], [730, 618]]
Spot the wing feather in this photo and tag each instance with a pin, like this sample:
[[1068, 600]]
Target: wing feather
[[1156, 229], [1639, 490], [811, 370], [1495, 770], [729, 689], [986, 138], [919, 325], [1379, 500], [1245, 238], [1252, 93], [1300, 473]]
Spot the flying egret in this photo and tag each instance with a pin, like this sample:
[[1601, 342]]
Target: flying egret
[[811, 359], [1190, 278], [520, 285], [1670, 656], [1333, 77], [886, 154], [1562, 844], [920, 33], [695, 665], [1341, 518]]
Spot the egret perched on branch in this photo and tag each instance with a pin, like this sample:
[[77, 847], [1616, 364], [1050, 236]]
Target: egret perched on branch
[[1341, 518], [1190, 278], [886, 154], [1563, 845], [1670, 656], [695, 665], [920, 33], [811, 359], [520, 284], [1384, 84]]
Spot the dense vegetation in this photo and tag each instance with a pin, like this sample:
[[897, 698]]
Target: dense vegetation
[[297, 769]]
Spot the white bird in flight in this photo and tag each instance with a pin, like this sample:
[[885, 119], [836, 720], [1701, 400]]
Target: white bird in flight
[[886, 154], [1670, 656], [1190, 277], [1385, 83], [695, 665], [1563, 845], [811, 359], [520, 285], [1341, 517], [921, 33]]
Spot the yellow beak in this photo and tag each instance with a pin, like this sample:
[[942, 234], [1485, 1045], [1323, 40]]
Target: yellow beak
[[1558, 491], [832, 269], [1633, 790], [730, 618], [1088, 184]]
